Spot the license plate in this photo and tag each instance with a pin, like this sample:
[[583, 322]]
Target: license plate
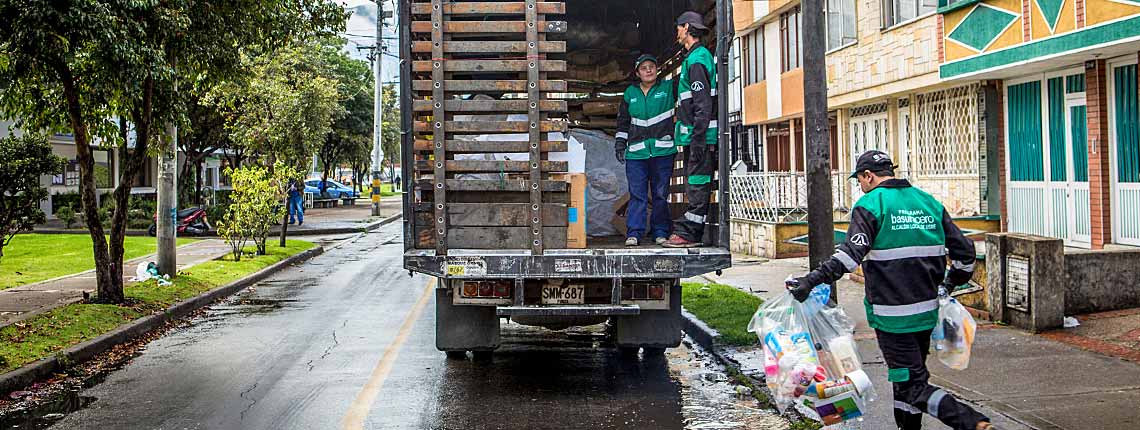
[[569, 295]]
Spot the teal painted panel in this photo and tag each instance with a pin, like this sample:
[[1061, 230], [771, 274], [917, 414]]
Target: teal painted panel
[[1057, 171], [1075, 84], [1078, 121], [1024, 124], [1066, 42], [1127, 124], [981, 26], [1052, 10]]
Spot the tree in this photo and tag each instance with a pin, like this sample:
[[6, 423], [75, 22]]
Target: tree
[[391, 128], [89, 66], [23, 160], [352, 128], [256, 205], [205, 134]]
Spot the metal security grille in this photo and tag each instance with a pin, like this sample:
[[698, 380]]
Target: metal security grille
[[943, 132], [777, 196]]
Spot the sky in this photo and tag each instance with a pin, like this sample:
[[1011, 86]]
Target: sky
[[361, 31]]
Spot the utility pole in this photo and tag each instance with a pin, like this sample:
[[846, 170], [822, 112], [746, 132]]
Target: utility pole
[[378, 111], [821, 224], [167, 211]]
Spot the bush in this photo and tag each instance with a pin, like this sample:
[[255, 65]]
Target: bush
[[257, 204], [69, 199], [67, 215]]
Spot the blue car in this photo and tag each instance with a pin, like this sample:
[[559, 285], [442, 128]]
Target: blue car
[[334, 189]]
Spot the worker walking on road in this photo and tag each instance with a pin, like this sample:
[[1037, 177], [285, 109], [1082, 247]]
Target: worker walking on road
[[644, 143], [900, 235], [696, 129]]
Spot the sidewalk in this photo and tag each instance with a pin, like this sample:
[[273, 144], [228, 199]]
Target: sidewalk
[[1020, 380], [19, 303]]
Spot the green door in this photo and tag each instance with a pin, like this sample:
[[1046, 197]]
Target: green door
[[1026, 188]]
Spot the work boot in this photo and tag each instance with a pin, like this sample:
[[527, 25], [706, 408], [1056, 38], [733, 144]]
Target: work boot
[[676, 241], [631, 241]]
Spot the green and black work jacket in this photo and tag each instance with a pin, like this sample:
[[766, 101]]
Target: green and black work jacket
[[901, 236], [645, 121], [696, 99]]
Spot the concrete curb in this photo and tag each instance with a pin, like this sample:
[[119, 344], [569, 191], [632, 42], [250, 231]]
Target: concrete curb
[[44, 368]]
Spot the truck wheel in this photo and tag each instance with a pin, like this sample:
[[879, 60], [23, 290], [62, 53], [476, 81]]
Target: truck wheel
[[651, 351], [464, 328], [482, 356], [628, 351], [652, 329]]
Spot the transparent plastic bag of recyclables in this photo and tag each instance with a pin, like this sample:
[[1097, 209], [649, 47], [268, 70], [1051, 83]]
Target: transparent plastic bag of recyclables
[[953, 337], [805, 344]]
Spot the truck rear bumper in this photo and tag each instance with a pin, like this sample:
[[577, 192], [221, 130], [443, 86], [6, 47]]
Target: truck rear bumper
[[569, 263], [562, 310]]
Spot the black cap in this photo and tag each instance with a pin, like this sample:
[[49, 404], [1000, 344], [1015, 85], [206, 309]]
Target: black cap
[[693, 19], [643, 58], [875, 161]]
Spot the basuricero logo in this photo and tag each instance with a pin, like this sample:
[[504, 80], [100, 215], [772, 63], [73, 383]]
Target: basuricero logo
[[697, 86], [860, 239]]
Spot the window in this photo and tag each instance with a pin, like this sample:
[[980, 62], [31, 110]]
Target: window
[[103, 169], [840, 23], [900, 11], [753, 66], [734, 65], [791, 52]]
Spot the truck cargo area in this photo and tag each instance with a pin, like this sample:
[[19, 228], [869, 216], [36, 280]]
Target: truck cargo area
[[494, 85]]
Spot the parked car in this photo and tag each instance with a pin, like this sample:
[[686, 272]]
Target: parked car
[[334, 188]]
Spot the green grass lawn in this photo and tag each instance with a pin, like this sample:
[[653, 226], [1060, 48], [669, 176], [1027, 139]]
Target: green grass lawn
[[36, 257], [724, 308], [385, 191], [48, 333]]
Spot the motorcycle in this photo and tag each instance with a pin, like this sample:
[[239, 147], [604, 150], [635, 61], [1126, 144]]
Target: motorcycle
[[191, 221]]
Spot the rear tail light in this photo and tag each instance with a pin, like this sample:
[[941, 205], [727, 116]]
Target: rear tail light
[[643, 290], [470, 289], [487, 289], [502, 289], [656, 292]]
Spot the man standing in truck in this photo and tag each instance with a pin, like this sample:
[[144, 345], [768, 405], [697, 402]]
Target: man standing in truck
[[696, 129], [644, 143], [900, 235]]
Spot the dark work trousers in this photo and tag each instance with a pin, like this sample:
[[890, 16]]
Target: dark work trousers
[[649, 180], [905, 354], [700, 164]]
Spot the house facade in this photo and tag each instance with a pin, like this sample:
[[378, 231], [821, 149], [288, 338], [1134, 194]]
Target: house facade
[[1067, 127]]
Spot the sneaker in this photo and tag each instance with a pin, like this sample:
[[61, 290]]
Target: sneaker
[[676, 241], [660, 241], [631, 241]]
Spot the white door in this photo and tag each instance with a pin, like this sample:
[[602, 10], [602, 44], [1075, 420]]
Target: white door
[[1076, 175]]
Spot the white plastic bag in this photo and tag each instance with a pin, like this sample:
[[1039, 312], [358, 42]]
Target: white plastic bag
[[953, 336]]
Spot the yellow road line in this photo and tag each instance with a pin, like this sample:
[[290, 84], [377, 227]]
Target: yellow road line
[[358, 411]]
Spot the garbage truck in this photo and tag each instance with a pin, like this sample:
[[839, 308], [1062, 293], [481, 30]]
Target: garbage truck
[[496, 101]]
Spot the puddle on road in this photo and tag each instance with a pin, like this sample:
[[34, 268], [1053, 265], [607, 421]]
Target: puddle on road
[[43, 415], [710, 400]]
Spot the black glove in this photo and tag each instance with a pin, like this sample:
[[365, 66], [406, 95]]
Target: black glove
[[619, 151], [711, 148], [799, 287]]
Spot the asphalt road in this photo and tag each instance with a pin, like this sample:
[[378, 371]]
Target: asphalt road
[[346, 340]]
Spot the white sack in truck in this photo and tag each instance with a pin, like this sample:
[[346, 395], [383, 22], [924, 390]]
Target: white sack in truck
[[605, 180]]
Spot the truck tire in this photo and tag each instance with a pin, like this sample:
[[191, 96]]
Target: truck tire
[[653, 330], [464, 328]]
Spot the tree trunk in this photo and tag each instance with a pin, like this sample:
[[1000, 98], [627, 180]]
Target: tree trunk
[[109, 288], [131, 163]]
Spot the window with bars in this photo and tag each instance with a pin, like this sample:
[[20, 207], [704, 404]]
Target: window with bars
[[943, 132], [753, 65], [791, 49], [899, 11], [840, 23]]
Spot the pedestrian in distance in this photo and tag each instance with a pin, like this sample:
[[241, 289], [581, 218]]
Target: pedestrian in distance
[[296, 202], [644, 143], [696, 129], [901, 236]]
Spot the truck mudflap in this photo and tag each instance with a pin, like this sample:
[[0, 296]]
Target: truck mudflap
[[570, 263]]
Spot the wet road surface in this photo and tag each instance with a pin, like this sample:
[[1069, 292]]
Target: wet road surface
[[346, 340]]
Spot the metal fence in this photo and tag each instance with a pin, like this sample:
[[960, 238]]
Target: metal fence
[[780, 196]]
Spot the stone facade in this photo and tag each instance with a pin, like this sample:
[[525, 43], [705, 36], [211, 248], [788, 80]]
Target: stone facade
[[754, 238], [881, 57]]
